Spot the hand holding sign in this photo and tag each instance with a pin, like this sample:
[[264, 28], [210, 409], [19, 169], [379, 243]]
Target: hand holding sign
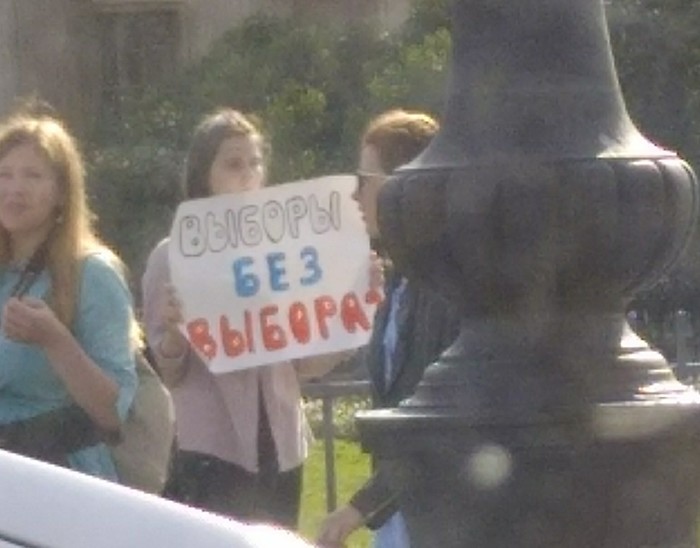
[[275, 274], [376, 272]]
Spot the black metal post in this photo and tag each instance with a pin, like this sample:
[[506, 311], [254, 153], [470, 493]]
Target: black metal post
[[542, 210]]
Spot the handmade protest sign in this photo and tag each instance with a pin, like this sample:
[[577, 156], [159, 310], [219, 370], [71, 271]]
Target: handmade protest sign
[[271, 275]]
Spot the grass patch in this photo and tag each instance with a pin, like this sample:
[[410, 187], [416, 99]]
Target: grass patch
[[352, 468]]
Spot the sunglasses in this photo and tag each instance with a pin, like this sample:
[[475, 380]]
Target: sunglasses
[[364, 177]]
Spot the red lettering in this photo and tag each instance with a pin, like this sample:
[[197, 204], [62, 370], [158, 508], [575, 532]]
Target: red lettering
[[352, 313], [373, 297], [233, 340], [299, 322], [325, 308], [238, 339], [201, 339], [272, 334], [248, 319]]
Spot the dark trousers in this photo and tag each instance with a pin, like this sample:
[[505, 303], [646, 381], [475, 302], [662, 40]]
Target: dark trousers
[[218, 486]]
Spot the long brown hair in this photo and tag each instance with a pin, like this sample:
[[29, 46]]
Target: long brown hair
[[72, 236], [213, 130]]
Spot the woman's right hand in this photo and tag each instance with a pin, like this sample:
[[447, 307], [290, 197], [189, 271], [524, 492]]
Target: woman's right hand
[[31, 321], [174, 343], [376, 278], [338, 526], [172, 308], [376, 272]]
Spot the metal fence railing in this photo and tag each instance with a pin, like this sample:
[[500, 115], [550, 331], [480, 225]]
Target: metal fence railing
[[328, 392]]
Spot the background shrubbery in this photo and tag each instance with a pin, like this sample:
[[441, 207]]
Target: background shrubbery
[[344, 410], [314, 88]]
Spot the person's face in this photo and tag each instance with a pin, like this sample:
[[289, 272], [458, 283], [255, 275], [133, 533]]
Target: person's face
[[29, 193], [237, 167], [370, 178]]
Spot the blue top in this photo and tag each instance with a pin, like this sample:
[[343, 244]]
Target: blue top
[[102, 326], [391, 334]]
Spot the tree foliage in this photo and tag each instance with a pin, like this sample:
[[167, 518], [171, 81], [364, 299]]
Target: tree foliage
[[657, 52], [314, 87]]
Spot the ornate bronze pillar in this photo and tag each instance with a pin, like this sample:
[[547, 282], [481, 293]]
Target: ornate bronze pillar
[[541, 210]]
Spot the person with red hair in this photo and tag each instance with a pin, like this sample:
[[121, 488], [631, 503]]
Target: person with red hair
[[411, 328]]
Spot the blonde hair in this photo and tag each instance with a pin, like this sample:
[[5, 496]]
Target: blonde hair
[[72, 237]]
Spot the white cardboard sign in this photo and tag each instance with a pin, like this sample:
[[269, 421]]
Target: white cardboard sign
[[274, 274]]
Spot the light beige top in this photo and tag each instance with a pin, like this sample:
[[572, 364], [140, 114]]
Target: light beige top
[[218, 414]]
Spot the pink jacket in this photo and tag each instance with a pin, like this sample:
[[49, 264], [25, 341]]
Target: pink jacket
[[218, 414]]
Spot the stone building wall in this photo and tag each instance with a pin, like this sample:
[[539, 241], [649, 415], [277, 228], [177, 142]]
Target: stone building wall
[[79, 54]]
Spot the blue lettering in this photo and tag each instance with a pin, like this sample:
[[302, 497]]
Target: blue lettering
[[313, 269], [275, 265], [246, 284]]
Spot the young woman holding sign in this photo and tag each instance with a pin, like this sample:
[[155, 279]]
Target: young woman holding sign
[[243, 436]]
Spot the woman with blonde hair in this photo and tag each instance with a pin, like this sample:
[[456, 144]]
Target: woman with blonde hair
[[68, 334]]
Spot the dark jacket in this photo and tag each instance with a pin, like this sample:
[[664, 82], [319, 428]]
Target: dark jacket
[[426, 325]]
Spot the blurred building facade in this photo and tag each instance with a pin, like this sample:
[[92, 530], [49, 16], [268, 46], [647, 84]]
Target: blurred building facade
[[81, 54]]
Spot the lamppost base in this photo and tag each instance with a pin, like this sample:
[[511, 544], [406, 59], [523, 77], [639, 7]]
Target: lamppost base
[[628, 477]]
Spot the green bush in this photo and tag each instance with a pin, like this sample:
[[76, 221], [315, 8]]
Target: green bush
[[314, 88], [307, 84], [657, 54], [133, 192], [344, 410], [416, 78]]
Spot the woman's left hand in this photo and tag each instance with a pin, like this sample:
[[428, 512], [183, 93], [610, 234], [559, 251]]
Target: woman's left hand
[[376, 271], [31, 321]]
